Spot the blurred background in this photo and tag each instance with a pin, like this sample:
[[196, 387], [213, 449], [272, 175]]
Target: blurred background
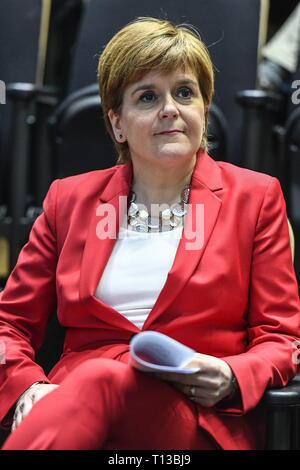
[[51, 124]]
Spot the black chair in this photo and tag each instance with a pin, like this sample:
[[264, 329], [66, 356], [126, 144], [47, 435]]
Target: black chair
[[291, 144], [282, 410], [261, 111], [217, 131], [35, 73], [292, 159], [77, 125], [270, 129], [291, 156], [18, 62]]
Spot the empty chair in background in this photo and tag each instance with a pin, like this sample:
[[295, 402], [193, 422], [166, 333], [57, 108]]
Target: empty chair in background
[[35, 80]]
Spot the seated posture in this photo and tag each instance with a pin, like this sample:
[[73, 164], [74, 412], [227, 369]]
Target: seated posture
[[167, 240]]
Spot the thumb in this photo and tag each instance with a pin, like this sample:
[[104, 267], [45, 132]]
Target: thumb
[[193, 363]]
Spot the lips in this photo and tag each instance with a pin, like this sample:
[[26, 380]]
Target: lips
[[171, 132]]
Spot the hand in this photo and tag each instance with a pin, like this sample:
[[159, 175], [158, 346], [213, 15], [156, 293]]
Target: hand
[[28, 399], [210, 385]]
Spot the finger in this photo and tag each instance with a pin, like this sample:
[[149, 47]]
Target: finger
[[192, 379], [177, 386], [185, 389], [201, 400], [195, 393], [200, 361], [181, 387], [200, 380], [206, 397], [193, 364]]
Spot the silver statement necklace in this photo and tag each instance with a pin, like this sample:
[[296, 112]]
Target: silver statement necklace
[[141, 221]]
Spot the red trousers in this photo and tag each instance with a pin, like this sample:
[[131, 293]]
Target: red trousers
[[105, 404]]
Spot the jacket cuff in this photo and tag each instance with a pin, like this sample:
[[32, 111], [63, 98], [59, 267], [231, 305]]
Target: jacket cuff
[[232, 404], [13, 391]]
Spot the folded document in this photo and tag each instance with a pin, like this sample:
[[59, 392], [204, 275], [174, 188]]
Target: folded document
[[151, 351]]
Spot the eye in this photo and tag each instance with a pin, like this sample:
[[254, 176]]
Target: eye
[[185, 92], [147, 97]]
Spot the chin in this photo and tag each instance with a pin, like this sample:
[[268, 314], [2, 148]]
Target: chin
[[176, 154]]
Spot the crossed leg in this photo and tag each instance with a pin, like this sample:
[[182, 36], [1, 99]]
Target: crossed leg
[[106, 404]]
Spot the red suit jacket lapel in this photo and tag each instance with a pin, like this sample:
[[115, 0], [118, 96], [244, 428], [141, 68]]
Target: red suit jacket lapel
[[203, 209]]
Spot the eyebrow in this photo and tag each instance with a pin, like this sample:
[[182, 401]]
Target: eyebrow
[[151, 86]]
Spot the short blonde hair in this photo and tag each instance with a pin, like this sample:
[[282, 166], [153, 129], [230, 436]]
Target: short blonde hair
[[144, 45]]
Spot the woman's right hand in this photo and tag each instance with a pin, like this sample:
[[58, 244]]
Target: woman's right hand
[[28, 399]]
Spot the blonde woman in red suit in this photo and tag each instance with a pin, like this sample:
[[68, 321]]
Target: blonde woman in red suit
[[219, 278]]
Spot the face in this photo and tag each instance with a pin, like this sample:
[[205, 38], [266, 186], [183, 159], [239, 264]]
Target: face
[[162, 118]]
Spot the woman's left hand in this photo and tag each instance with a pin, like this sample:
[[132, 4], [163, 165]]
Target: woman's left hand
[[207, 387]]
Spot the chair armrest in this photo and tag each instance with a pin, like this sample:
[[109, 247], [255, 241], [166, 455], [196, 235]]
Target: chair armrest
[[280, 408], [29, 91], [283, 396], [261, 111], [259, 99]]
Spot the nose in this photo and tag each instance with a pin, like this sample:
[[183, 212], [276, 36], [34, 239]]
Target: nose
[[169, 108]]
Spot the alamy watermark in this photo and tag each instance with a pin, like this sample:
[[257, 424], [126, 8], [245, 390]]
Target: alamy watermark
[[2, 92], [296, 94], [193, 223]]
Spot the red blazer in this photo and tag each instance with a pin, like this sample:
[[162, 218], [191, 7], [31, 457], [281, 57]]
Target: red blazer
[[235, 297]]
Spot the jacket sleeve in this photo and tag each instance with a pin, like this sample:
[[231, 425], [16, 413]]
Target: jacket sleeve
[[273, 310], [28, 300]]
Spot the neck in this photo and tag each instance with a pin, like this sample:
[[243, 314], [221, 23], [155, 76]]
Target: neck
[[161, 185]]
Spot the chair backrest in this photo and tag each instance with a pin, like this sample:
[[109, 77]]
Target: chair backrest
[[292, 157], [79, 139], [19, 38], [219, 22], [292, 161], [217, 134]]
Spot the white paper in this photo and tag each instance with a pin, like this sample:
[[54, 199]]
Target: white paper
[[151, 351]]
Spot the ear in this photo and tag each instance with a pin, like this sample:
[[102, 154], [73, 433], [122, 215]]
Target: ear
[[115, 121]]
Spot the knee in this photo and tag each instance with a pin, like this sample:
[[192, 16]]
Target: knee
[[97, 370]]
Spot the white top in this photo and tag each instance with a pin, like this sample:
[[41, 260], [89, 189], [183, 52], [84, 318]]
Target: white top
[[137, 271]]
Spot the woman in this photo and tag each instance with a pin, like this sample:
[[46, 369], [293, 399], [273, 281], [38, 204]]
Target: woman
[[214, 273]]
